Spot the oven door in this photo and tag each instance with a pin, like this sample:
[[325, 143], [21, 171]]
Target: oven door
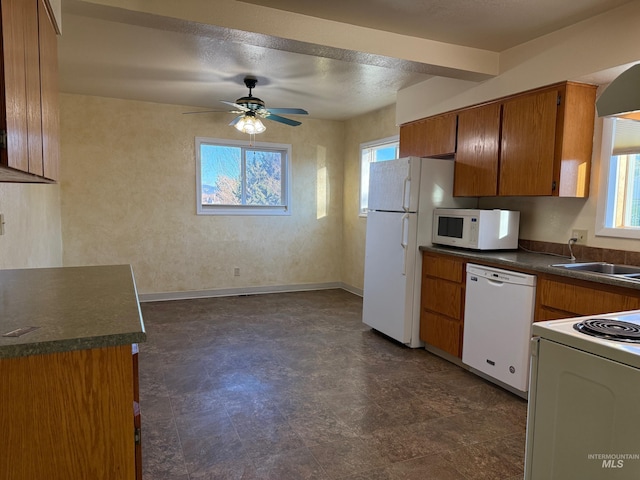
[[584, 419]]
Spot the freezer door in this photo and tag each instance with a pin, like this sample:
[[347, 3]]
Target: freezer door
[[390, 265], [394, 185]]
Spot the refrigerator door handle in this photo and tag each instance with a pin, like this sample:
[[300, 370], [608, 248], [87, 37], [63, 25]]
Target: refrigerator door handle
[[404, 241], [405, 185]]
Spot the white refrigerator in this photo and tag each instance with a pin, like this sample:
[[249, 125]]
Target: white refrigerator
[[402, 196]]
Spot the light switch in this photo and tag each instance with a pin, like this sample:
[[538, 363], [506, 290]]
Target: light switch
[[1, 223]]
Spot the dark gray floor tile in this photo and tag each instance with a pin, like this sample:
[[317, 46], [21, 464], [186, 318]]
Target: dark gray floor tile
[[294, 386]]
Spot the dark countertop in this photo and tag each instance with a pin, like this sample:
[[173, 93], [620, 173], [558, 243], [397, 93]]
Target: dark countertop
[[74, 308], [536, 262]]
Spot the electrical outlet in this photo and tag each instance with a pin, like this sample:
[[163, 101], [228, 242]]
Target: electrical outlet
[[236, 272], [581, 235]]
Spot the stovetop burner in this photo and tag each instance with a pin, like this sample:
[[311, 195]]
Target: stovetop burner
[[610, 329]]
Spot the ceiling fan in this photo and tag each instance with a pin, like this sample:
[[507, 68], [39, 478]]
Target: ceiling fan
[[251, 109]]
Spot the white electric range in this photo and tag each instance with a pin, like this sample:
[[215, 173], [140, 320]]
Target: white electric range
[[584, 399]]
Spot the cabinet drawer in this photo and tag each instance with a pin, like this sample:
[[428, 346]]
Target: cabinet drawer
[[440, 266], [442, 297], [582, 300], [441, 332]]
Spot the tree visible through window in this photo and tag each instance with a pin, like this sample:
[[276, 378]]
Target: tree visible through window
[[240, 179]]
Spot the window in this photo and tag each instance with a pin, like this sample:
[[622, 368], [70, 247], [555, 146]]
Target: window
[[376, 151], [236, 179], [619, 197]]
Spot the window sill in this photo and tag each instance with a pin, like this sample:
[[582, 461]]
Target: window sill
[[633, 233], [243, 210]]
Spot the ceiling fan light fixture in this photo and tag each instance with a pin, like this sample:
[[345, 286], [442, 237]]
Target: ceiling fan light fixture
[[250, 124]]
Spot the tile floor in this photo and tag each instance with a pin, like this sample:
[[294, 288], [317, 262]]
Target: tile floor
[[294, 386]]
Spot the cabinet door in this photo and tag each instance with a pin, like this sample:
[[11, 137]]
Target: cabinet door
[[442, 332], [429, 137], [476, 166], [441, 303], [569, 297], [14, 100], [412, 139], [441, 135], [33, 102], [528, 144], [49, 93]]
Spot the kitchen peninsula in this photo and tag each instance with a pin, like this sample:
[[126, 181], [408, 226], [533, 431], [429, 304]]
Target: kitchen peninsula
[[68, 373]]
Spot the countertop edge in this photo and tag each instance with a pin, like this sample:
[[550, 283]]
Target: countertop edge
[[70, 309], [532, 261], [69, 345]]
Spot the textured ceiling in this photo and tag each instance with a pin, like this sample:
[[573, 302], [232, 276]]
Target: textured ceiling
[[114, 48], [488, 24]]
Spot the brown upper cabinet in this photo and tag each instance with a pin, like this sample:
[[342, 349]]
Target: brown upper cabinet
[[547, 141], [537, 142], [29, 123], [429, 137], [476, 167]]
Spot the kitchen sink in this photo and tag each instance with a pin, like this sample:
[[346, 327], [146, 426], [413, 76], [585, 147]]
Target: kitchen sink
[[626, 271]]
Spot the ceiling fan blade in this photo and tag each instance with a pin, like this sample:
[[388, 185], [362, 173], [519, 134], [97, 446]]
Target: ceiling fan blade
[[204, 111], [286, 121], [235, 120], [239, 107], [289, 111]]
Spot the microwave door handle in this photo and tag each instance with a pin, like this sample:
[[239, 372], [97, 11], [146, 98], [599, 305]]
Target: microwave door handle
[[404, 241], [405, 184]]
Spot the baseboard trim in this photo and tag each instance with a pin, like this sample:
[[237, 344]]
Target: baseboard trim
[[231, 292]]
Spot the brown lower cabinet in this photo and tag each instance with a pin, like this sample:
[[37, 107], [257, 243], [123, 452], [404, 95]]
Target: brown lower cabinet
[[443, 292], [561, 297], [442, 302], [70, 415]]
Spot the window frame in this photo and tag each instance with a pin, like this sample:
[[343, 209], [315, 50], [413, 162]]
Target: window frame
[[607, 188], [258, 210], [362, 212]]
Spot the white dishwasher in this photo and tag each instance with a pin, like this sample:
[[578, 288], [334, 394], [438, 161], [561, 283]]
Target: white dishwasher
[[498, 315]]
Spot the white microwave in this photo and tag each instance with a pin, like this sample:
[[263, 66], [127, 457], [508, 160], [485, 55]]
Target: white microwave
[[476, 229]]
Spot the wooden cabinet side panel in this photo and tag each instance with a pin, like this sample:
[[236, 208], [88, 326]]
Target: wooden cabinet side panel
[[575, 146], [528, 144], [49, 93], [568, 297], [68, 415], [476, 164], [15, 93]]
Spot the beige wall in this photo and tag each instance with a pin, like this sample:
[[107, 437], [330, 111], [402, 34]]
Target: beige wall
[[588, 52], [372, 126], [32, 235], [128, 196]]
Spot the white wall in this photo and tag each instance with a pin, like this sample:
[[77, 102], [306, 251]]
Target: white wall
[[129, 196], [32, 235], [589, 51]]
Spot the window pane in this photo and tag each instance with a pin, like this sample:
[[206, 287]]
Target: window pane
[[385, 153], [370, 154], [264, 178], [221, 175], [633, 200]]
